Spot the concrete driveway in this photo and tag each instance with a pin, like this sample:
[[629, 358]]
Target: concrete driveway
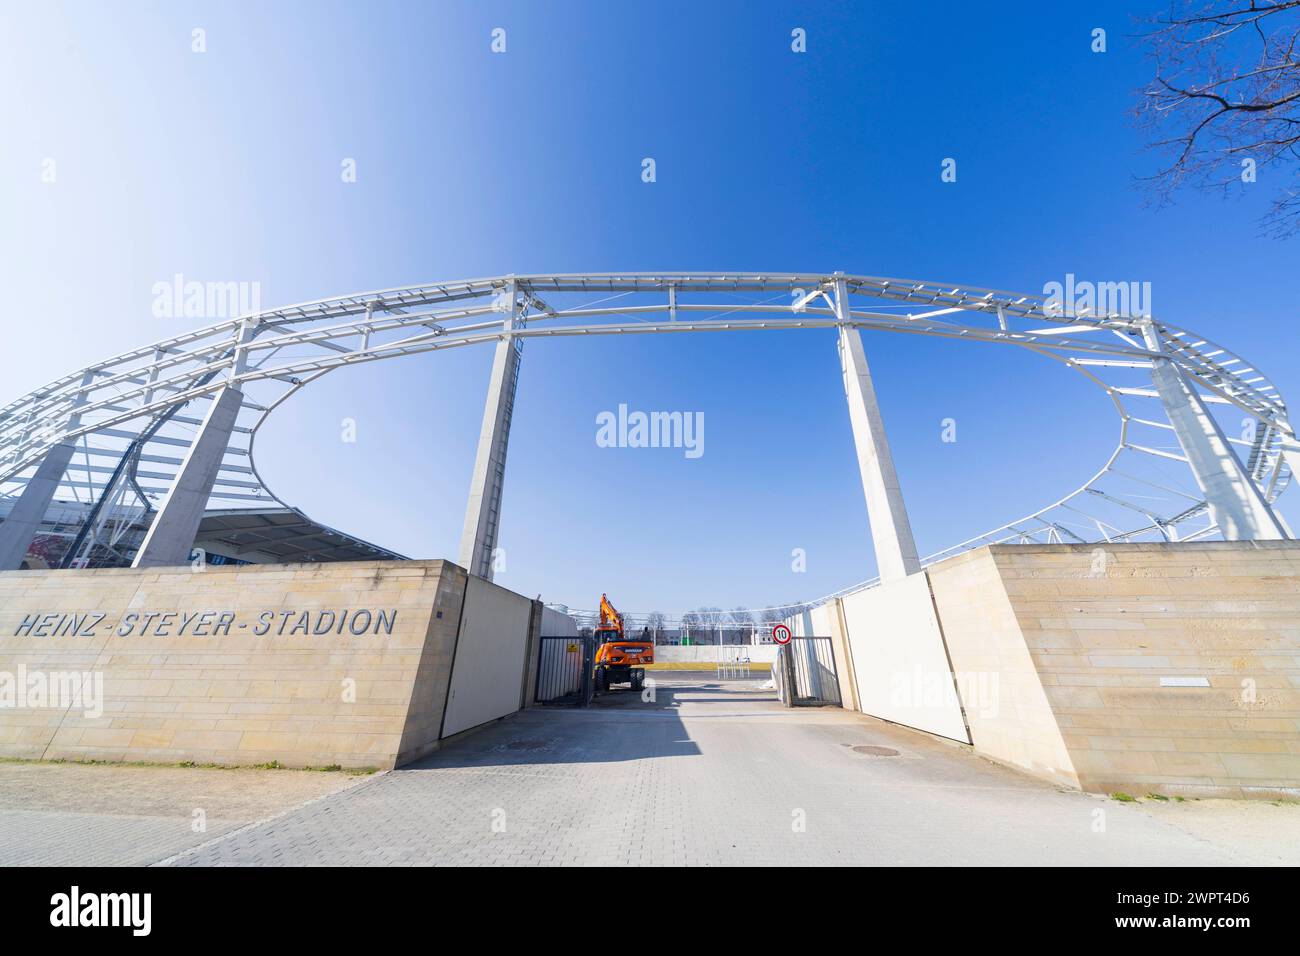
[[719, 773]]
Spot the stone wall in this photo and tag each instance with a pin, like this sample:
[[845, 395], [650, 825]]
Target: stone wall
[[1172, 668], [307, 665], [1009, 714], [711, 653]]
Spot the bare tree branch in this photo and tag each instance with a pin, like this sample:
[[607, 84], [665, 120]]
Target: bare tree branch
[[1225, 103]]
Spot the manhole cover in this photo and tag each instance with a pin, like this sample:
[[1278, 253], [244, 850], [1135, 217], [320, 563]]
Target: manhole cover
[[875, 751]]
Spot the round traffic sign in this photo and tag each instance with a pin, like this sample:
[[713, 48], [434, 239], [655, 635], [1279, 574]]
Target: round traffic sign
[[781, 634]]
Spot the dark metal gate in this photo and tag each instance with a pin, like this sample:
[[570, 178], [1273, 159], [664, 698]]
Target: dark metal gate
[[564, 671], [806, 674]]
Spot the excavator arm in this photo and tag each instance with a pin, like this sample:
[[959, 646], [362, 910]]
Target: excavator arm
[[609, 617]]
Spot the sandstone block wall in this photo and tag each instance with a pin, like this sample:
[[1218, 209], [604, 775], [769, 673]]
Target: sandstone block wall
[[308, 664], [1172, 668]]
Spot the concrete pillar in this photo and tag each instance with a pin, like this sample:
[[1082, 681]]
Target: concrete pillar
[[171, 536], [25, 518], [891, 532], [1235, 504], [483, 515]]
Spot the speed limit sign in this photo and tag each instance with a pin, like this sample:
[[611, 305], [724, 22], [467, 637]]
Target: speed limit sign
[[781, 634]]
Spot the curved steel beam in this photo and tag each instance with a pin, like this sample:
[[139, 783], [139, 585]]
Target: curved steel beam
[[108, 408]]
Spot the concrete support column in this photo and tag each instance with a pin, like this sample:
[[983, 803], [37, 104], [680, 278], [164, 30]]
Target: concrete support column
[[483, 515], [1235, 504], [891, 532], [24, 520], [171, 536]]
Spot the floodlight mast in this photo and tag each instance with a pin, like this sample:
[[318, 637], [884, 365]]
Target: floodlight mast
[[188, 409]]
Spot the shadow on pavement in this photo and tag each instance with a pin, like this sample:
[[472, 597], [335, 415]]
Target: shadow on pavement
[[618, 726]]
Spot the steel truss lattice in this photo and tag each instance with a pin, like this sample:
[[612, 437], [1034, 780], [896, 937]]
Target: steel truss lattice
[[133, 418]]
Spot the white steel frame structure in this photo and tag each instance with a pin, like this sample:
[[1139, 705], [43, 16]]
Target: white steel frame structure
[[161, 432]]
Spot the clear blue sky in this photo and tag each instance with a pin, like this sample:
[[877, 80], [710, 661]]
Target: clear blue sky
[[225, 166]]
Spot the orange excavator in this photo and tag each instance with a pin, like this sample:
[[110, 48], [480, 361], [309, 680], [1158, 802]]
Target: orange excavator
[[617, 658]]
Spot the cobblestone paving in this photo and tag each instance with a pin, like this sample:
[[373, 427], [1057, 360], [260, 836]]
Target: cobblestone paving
[[710, 774]]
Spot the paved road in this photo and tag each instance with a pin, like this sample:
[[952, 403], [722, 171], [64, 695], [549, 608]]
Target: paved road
[[719, 773], [55, 814]]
